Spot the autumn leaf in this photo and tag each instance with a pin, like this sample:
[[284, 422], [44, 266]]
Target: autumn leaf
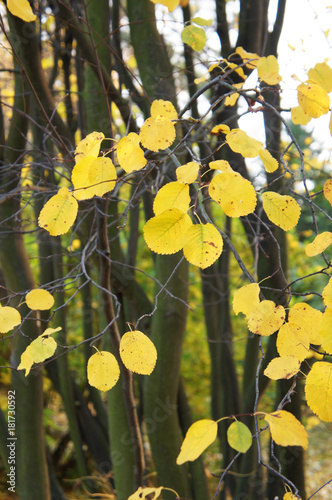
[[21, 9], [9, 318], [292, 340], [59, 213], [138, 352], [266, 318], [194, 36], [282, 210], [284, 367], [165, 233], [325, 331], [327, 294], [172, 195], [328, 190], [187, 174], [203, 245], [235, 195], [308, 319], [103, 370], [39, 299], [199, 436], [222, 165], [299, 117], [286, 430], [313, 99], [157, 133], [318, 390], [270, 163], [40, 349], [170, 4], [143, 492], [289, 496], [222, 128], [246, 299], [240, 142], [130, 154], [239, 437], [268, 70], [89, 146], [320, 243], [249, 58], [93, 177], [322, 75], [159, 107]]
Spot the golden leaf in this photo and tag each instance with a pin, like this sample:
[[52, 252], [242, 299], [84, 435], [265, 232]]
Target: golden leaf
[[299, 117], [187, 174], [286, 430], [328, 190], [308, 319], [165, 233], [235, 195], [250, 58], [282, 210], [220, 129], [130, 154], [138, 352], [89, 146], [246, 299], [222, 165], [283, 367], [39, 299], [170, 4], [9, 318], [21, 9], [266, 318], [144, 492], [240, 142], [320, 243], [59, 213], [163, 108], [199, 436], [318, 390], [43, 347], [157, 133], [93, 177], [325, 331], [270, 163], [313, 99], [322, 75], [293, 341], [103, 370], [268, 70], [172, 195], [203, 245], [327, 294]]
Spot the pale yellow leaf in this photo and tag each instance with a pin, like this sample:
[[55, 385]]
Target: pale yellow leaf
[[130, 154], [235, 195], [199, 436], [59, 213], [250, 58], [163, 108], [194, 36], [286, 430], [203, 245], [240, 142], [313, 99], [187, 174], [93, 177], [170, 4], [165, 233], [327, 294], [138, 352], [322, 74], [318, 390], [308, 319], [89, 146], [325, 331], [222, 165], [239, 437], [172, 195], [299, 117], [26, 361], [282, 210], [39, 299], [320, 243], [103, 370], [143, 492], [266, 318], [246, 299], [9, 318], [43, 347], [157, 133], [284, 367], [293, 341], [270, 163], [268, 70], [21, 9], [328, 190]]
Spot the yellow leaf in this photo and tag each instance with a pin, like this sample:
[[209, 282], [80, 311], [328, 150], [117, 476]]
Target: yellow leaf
[[308, 319], [240, 142], [26, 361], [43, 347], [250, 58], [187, 174], [199, 436], [201, 21], [327, 294], [59, 213], [220, 129], [299, 117], [318, 390], [170, 4], [282, 210], [172, 195], [239, 437], [235, 195], [286, 430], [268, 70], [231, 99], [144, 492], [320, 243], [325, 331], [203, 245], [330, 124], [313, 99], [283, 367], [130, 154], [138, 353], [290, 496], [9, 318], [246, 299], [89, 146], [328, 190], [157, 133], [103, 370], [39, 299], [322, 75], [222, 165], [266, 318], [93, 177], [270, 163], [194, 36], [21, 9], [163, 108], [165, 233], [293, 341]]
